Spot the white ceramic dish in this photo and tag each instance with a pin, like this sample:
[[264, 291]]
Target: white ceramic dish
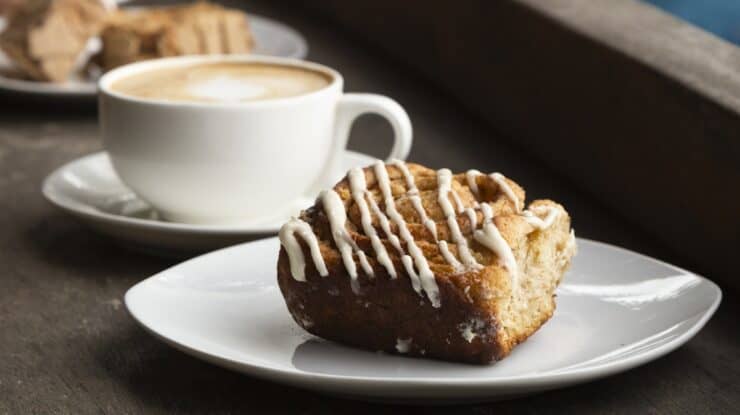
[[272, 38], [616, 310], [89, 189]]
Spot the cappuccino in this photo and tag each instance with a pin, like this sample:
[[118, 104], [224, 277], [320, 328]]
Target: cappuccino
[[222, 82]]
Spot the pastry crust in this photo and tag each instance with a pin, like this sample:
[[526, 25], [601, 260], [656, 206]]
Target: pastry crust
[[45, 38], [201, 28], [483, 311]]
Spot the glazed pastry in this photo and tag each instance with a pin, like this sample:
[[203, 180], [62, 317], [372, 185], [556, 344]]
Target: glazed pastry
[[46, 39], [197, 29], [404, 259]]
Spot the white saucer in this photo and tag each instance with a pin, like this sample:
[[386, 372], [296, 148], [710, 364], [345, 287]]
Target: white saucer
[[272, 38], [89, 189], [616, 310]]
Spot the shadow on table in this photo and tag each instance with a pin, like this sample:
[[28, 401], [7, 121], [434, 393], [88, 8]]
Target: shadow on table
[[15, 104], [62, 241], [162, 377]]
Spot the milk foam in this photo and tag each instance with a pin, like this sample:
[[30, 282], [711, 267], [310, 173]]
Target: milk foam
[[222, 82], [227, 89]]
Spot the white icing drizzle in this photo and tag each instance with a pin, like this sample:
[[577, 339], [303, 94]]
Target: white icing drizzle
[[413, 194], [416, 201], [458, 202], [447, 254], [504, 185], [491, 238], [406, 260], [500, 180], [470, 176], [385, 225], [472, 217], [337, 215], [410, 182], [297, 261], [408, 264], [424, 279], [444, 181], [536, 221], [426, 276], [358, 187]]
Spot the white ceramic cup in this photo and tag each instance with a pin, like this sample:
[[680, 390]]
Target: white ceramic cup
[[241, 162]]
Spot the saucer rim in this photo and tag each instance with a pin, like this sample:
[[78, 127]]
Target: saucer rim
[[85, 211]]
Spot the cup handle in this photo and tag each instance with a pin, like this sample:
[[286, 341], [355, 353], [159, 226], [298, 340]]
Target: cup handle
[[349, 107], [353, 105]]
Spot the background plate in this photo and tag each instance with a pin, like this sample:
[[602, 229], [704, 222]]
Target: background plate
[[272, 38]]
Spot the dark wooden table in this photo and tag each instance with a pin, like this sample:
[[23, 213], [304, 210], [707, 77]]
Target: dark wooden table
[[67, 344]]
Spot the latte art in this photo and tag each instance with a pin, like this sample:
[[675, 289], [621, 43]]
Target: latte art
[[222, 82]]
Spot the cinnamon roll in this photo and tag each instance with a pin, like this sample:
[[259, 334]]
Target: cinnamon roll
[[404, 259]]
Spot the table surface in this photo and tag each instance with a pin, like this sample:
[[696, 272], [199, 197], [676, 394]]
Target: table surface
[[68, 345]]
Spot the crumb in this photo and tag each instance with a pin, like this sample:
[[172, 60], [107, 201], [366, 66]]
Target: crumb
[[115, 303], [306, 322], [468, 329], [403, 345]]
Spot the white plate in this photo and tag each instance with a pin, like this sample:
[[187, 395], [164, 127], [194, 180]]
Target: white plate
[[271, 37], [89, 189], [616, 310]]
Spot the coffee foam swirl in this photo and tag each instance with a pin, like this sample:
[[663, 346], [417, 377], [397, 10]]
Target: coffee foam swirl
[[222, 82]]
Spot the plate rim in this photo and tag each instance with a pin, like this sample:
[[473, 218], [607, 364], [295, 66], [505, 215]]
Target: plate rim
[[542, 380], [78, 209], [90, 89], [302, 47]]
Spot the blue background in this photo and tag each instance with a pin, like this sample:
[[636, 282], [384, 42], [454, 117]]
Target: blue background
[[721, 17]]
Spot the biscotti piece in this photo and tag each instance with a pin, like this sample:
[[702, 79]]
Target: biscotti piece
[[201, 28], [45, 38], [405, 259]]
